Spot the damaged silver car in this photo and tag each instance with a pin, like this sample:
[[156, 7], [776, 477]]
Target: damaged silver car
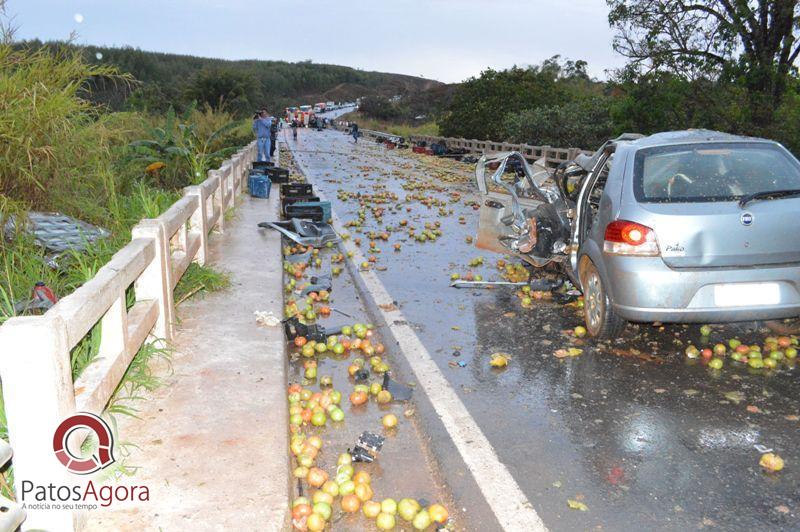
[[686, 226]]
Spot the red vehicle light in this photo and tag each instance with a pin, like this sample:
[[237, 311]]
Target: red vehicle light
[[630, 238]]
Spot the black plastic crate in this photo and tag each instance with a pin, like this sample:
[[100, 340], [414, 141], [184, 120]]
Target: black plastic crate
[[262, 164], [313, 213], [297, 189], [277, 175]]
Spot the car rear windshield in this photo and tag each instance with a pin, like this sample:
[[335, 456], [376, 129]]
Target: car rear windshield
[[712, 172]]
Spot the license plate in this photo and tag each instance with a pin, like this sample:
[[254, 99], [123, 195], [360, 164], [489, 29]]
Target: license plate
[[746, 294]]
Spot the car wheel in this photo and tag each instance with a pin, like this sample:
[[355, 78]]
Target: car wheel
[[601, 320]]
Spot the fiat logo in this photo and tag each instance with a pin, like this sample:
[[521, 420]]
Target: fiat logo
[[746, 218]]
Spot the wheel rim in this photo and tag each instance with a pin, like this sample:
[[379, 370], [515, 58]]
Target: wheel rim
[[593, 301]]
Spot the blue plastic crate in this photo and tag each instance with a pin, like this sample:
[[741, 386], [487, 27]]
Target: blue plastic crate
[[259, 185]]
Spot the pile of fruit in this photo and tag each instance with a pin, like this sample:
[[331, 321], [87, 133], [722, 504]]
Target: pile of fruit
[[773, 352], [353, 490], [514, 273]]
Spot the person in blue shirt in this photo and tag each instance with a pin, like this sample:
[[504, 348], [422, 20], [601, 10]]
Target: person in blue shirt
[[262, 124]]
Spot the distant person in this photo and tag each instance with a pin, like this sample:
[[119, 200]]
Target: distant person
[[262, 124], [295, 125], [354, 132], [273, 138]]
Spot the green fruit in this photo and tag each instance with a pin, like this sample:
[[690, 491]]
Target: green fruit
[[336, 397], [422, 520], [692, 352], [337, 414], [322, 509], [705, 330], [347, 330], [318, 419], [791, 353], [755, 363], [389, 506], [776, 355], [338, 348], [295, 419], [754, 354], [733, 343], [347, 487], [580, 331], [385, 521], [310, 315], [715, 363], [408, 508], [326, 380], [320, 347], [311, 373], [720, 349], [770, 363]]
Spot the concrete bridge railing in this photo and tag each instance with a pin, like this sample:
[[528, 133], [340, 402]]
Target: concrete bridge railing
[[553, 156], [35, 366]]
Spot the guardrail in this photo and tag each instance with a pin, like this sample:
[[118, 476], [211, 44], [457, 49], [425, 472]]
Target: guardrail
[[35, 366], [553, 156]]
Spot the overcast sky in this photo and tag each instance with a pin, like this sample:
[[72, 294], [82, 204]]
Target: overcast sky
[[447, 40]]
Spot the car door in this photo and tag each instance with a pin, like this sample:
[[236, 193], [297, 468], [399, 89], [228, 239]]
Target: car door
[[505, 196], [588, 204]]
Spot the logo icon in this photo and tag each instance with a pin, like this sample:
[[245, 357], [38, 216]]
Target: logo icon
[[746, 218], [102, 457]]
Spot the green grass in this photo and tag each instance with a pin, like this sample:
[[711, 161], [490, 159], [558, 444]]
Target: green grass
[[403, 130], [199, 279], [59, 152]]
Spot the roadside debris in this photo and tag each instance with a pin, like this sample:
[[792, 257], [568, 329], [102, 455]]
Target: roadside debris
[[304, 232], [367, 447], [42, 299], [771, 462], [266, 318], [577, 505], [567, 353], [55, 232], [499, 360]]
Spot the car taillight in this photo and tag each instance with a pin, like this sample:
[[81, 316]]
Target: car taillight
[[629, 238]]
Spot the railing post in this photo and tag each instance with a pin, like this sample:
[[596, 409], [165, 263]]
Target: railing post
[[199, 222], [38, 394], [223, 185], [155, 282]]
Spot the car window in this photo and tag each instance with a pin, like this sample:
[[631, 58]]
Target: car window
[[712, 172]]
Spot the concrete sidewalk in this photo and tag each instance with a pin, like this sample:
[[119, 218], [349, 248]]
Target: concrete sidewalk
[[212, 442]]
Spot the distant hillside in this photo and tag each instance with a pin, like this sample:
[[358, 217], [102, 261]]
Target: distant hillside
[[171, 79]]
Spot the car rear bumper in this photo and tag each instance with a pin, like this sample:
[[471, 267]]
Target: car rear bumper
[[645, 289]]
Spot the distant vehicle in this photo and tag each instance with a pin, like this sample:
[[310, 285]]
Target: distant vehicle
[[319, 107], [305, 115], [686, 226]]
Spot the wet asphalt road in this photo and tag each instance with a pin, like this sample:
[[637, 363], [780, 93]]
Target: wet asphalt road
[[646, 442]]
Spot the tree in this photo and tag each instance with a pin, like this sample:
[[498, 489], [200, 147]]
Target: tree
[[218, 87], [578, 124], [752, 40], [480, 104]]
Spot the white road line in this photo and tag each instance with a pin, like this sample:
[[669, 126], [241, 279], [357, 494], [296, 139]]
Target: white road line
[[510, 506]]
